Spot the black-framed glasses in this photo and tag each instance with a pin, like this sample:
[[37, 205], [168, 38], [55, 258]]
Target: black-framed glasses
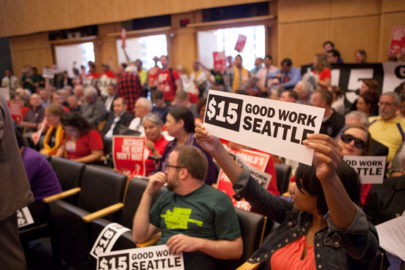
[[358, 143], [174, 166]]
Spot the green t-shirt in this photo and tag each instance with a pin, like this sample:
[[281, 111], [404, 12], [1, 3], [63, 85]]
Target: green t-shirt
[[205, 213]]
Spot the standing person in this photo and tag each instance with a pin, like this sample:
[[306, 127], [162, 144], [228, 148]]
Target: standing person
[[9, 80], [236, 76], [153, 75], [168, 80], [15, 193], [107, 78], [258, 65], [321, 71], [265, 83], [129, 87], [143, 76], [200, 78], [195, 219]]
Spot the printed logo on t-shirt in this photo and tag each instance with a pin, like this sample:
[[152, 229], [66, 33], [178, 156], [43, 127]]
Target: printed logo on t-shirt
[[179, 218]]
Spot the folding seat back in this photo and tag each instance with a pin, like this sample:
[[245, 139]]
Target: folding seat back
[[283, 173], [100, 188], [252, 226], [68, 172], [136, 187]]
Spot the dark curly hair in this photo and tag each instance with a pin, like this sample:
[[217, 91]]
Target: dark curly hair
[[77, 121]]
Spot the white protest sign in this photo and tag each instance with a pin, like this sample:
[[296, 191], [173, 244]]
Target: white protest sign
[[47, 73], [272, 126], [394, 75], [107, 238], [369, 168], [391, 235], [24, 217], [5, 92], [154, 257]]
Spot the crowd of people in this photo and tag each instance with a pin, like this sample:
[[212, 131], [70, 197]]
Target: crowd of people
[[77, 117]]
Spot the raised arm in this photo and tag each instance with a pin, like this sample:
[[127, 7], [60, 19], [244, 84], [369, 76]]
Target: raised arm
[[326, 159], [142, 229], [212, 145]]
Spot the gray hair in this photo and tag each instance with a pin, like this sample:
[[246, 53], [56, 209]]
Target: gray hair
[[396, 97], [154, 118], [359, 115], [145, 103], [90, 91]]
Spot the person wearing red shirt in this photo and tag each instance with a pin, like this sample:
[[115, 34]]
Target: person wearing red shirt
[[322, 71], [153, 75], [168, 80], [82, 142], [155, 141]]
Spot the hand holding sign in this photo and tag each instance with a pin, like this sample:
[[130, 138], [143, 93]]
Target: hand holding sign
[[208, 142], [327, 155]]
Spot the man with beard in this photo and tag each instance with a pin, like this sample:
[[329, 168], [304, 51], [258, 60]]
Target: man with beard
[[195, 219]]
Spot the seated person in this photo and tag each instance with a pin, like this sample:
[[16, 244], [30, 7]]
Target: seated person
[[93, 108], [159, 104], [42, 179], [212, 229], [34, 115], [55, 133], [180, 126], [355, 141], [182, 98], [120, 117], [323, 228], [155, 141], [142, 107], [83, 143]]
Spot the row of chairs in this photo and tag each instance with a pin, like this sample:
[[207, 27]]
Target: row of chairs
[[92, 198]]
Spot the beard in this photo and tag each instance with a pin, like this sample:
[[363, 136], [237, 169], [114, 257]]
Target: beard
[[173, 183]]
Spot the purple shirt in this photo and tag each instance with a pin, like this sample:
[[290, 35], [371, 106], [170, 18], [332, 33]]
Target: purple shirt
[[40, 174]]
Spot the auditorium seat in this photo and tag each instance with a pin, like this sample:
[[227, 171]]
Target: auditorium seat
[[133, 195], [101, 195], [283, 173], [252, 227], [70, 175]]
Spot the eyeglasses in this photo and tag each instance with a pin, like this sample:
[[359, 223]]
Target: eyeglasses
[[174, 166], [388, 104], [358, 143]]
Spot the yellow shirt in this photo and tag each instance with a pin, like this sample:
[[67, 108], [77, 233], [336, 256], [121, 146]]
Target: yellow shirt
[[388, 133]]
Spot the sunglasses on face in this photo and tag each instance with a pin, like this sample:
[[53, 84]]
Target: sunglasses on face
[[358, 143]]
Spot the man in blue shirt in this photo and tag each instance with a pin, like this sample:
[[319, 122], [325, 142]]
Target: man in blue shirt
[[288, 75]]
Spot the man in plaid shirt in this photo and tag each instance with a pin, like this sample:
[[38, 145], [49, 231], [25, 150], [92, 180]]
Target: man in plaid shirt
[[129, 87]]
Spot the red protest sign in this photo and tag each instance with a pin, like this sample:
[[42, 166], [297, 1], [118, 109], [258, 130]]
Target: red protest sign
[[240, 43], [257, 161], [219, 61], [128, 155], [397, 46], [123, 37]]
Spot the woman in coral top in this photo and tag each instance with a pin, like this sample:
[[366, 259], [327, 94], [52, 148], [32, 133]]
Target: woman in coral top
[[323, 228], [82, 143], [321, 71], [155, 141], [55, 133]]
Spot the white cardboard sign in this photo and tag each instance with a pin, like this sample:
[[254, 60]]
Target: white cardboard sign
[[369, 168], [154, 257], [24, 217], [272, 126], [107, 238], [391, 235]]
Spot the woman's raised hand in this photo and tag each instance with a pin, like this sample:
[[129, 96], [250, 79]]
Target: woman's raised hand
[[207, 142], [327, 154]]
